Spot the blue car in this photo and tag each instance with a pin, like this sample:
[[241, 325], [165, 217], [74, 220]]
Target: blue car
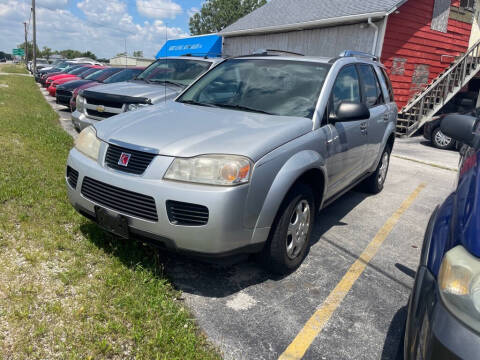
[[444, 309]]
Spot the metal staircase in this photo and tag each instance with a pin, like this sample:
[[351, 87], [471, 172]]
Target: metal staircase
[[425, 104]]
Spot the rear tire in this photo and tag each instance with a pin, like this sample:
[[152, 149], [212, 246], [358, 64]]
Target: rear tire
[[442, 141], [290, 235], [374, 183]]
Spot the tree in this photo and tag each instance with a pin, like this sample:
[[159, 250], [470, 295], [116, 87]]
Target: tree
[[121, 54], [138, 54], [215, 15], [46, 52], [89, 54]]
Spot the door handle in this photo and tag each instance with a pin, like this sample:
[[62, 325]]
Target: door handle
[[386, 117]]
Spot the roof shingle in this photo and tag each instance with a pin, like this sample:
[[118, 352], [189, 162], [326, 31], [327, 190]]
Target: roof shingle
[[286, 12]]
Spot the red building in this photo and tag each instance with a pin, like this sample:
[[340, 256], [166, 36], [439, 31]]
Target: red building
[[415, 51]]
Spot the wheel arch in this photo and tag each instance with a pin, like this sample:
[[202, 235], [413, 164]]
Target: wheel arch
[[308, 167]]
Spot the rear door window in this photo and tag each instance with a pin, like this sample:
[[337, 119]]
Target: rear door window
[[389, 84], [371, 87]]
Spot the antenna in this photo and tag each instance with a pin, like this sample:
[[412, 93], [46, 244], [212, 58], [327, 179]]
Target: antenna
[[126, 53], [166, 64]]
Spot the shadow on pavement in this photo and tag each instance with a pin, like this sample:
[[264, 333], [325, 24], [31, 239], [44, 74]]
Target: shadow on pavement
[[393, 346], [206, 279]]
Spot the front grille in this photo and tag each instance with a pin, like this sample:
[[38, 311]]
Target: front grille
[[72, 177], [99, 114], [125, 201], [181, 213], [63, 97], [107, 103], [137, 164]]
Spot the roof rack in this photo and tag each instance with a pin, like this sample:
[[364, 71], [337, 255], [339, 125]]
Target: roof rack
[[270, 52], [353, 53]]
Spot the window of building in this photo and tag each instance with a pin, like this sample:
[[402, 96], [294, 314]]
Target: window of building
[[441, 13]]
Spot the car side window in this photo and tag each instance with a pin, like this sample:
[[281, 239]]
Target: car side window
[[371, 86], [389, 84], [346, 88]]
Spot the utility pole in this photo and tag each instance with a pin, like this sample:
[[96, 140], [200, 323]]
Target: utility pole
[[34, 62], [26, 44]]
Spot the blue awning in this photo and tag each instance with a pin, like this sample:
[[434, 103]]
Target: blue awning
[[210, 45]]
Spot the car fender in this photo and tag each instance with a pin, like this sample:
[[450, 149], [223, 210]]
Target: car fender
[[290, 172]]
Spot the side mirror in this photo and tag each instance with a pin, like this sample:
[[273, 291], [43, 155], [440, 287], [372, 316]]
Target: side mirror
[[461, 128], [351, 111]]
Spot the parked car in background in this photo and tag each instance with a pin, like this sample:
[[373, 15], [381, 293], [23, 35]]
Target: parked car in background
[[163, 80], [64, 91], [444, 307], [71, 74], [52, 89], [124, 75], [3, 60], [241, 160], [66, 69]]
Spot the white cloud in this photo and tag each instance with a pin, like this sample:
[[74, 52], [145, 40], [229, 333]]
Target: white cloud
[[159, 9], [104, 34], [52, 4], [192, 11]]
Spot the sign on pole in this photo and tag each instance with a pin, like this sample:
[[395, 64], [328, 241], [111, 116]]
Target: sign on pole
[[19, 52]]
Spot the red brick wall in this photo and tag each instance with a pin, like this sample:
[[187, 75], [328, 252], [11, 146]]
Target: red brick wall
[[413, 53]]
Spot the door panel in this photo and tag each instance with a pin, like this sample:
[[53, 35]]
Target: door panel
[[375, 100], [346, 144]]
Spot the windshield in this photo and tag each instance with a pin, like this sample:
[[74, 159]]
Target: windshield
[[102, 74], [180, 71], [277, 87], [88, 72], [124, 75], [79, 71]]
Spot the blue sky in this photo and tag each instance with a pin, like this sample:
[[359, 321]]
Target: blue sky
[[101, 26]]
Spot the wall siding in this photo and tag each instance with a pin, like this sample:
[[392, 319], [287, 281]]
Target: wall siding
[[423, 53], [312, 42]]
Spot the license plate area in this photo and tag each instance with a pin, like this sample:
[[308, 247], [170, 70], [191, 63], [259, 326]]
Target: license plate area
[[112, 222]]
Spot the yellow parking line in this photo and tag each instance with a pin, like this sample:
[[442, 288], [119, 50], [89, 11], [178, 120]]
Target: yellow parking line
[[319, 319]]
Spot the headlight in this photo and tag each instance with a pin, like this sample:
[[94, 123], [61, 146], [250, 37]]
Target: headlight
[[459, 283], [133, 107], [211, 169], [80, 103], [87, 143]]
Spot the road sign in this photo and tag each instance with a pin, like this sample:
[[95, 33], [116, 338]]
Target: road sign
[[19, 52]]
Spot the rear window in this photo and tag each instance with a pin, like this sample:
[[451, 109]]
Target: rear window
[[124, 75], [176, 70], [389, 84]]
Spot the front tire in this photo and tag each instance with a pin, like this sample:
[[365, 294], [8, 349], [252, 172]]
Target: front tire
[[290, 235], [374, 183]]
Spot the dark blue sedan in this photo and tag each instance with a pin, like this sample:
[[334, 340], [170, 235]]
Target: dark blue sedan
[[444, 309]]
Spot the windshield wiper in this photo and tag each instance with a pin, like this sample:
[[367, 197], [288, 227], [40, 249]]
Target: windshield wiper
[[242, 107], [193, 102], [169, 82]]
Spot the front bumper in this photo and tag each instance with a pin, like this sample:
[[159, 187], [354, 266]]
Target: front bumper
[[432, 332], [224, 233], [80, 121]]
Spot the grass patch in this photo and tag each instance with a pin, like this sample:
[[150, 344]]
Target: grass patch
[[13, 68], [68, 290]]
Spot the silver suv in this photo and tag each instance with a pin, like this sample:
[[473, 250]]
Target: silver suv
[[163, 80], [243, 159]]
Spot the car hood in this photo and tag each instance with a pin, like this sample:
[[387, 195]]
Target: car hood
[[141, 89], [71, 85], [176, 129], [66, 80], [60, 76]]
